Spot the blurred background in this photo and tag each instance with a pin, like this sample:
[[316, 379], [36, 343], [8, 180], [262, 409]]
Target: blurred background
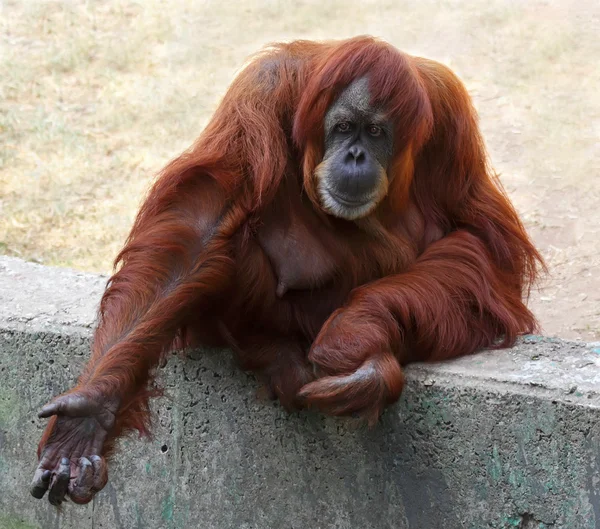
[[95, 97]]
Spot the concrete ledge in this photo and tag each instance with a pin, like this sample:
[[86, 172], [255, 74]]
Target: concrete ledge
[[509, 439]]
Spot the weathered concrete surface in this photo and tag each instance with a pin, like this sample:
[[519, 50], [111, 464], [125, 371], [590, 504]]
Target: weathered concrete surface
[[509, 439]]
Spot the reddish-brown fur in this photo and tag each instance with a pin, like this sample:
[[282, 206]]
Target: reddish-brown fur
[[231, 247]]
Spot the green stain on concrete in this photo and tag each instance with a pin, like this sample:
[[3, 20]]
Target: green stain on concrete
[[516, 478], [148, 468], [434, 414], [9, 409], [547, 421], [138, 515], [516, 521], [14, 522], [168, 506], [494, 466], [533, 338]]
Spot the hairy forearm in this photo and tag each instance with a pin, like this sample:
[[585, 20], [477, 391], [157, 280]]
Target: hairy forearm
[[454, 300], [140, 319], [179, 260]]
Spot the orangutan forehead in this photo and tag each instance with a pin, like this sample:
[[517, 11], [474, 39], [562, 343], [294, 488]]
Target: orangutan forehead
[[354, 103], [356, 96]]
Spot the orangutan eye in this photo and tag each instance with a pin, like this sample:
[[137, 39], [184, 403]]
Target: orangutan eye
[[374, 130], [344, 126]]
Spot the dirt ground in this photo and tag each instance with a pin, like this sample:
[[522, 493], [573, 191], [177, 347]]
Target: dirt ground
[[95, 97]]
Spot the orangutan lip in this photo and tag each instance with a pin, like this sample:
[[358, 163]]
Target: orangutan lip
[[347, 202]]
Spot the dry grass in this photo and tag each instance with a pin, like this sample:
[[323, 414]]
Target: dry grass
[[95, 97]]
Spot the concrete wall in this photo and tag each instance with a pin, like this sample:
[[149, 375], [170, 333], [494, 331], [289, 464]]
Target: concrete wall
[[509, 439]]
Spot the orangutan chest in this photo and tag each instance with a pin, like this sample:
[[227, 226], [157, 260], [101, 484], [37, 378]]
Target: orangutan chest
[[299, 255]]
